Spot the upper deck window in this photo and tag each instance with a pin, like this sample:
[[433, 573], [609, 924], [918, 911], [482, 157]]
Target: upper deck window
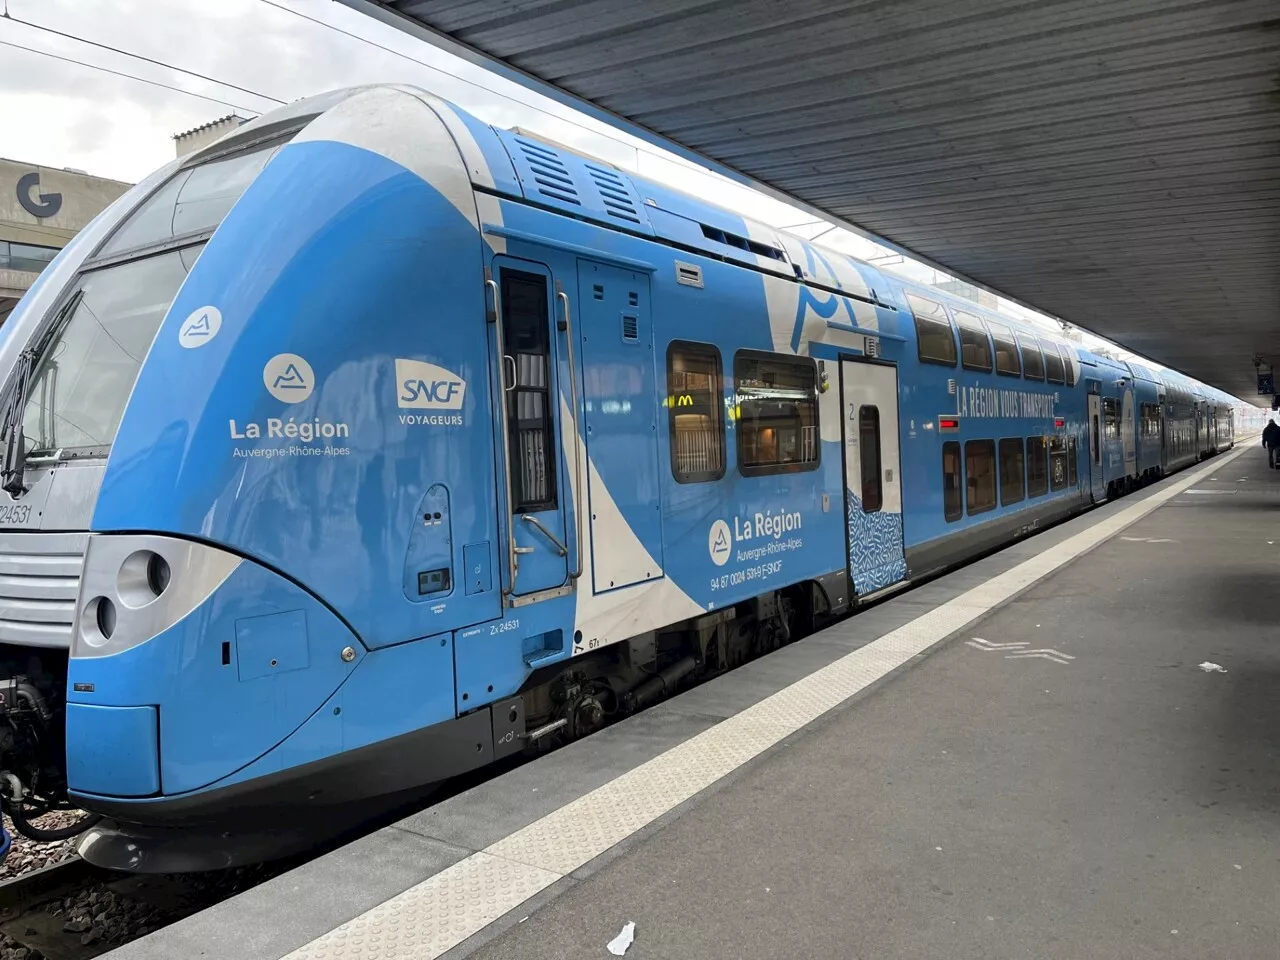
[[1007, 362], [975, 346], [1052, 362], [1068, 365], [935, 339], [194, 200], [1032, 358]]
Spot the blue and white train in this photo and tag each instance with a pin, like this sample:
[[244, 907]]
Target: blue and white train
[[372, 444]]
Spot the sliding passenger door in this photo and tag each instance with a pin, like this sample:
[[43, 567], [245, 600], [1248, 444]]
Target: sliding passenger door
[[620, 402], [873, 494], [1097, 482], [1164, 437], [536, 550]]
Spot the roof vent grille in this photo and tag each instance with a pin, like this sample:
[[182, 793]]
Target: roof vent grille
[[549, 172], [613, 193]]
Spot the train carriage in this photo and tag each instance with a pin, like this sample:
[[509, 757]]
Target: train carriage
[[372, 444]]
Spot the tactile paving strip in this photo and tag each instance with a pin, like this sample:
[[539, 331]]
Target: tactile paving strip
[[441, 912], [429, 918]]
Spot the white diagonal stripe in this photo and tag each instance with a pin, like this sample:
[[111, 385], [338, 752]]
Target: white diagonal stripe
[[979, 644], [1038, 655]]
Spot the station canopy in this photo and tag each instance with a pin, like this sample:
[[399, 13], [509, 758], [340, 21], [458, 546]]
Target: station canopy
[[1115, 164]]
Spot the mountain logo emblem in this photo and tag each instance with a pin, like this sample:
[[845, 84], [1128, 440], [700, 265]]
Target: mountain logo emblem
[[288, 377], [291, 379], [200, 327], [720, 543]]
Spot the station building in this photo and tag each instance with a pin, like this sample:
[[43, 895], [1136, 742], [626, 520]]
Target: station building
[[41, 208]]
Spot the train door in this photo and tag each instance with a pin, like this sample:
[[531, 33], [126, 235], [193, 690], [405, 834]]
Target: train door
[[1129, 434], [620, 401], [1164, 437], [1097, 482], [869, 401], [536, 551]]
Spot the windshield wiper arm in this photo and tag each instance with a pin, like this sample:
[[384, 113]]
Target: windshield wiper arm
[[15, 459], [14, 463]]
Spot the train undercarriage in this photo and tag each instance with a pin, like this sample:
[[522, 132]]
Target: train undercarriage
[[568, 701], [559, 704]]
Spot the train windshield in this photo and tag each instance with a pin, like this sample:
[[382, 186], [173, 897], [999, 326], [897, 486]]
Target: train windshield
[[88, 357], [79, 390]]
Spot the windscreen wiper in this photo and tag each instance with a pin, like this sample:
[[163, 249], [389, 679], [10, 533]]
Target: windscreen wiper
[[14, 402], [14, 466]]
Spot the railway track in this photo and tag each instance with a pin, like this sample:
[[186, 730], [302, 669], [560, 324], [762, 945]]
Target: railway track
[[74, 911], [27, 911]]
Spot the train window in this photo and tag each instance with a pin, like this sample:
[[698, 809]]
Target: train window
[[1111, 418], [1032, 359], [952, 507], [695, 412], [869, 456], [1037, 467], [1151, 420], [1068, 366], [1073, 475], [935, 339], [1057, 463], [525, 334], [1052, 363], [975, 346], [1007, 362], [1012, 471], [777, 404], [194, 200], [980, 475]]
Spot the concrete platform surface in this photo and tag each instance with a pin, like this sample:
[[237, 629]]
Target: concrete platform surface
[[1120, 804], [1022, 759]]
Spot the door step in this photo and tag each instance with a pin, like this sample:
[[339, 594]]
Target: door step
[[883, 592]]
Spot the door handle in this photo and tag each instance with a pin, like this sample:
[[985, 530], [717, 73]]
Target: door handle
[[507, 387], [537, 525]]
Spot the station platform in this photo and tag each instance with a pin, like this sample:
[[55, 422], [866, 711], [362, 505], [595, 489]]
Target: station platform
[[1021, 759]]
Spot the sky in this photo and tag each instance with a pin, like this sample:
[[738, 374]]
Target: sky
[[265, 52]]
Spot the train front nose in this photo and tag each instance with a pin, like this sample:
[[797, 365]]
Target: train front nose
[[187, 664]]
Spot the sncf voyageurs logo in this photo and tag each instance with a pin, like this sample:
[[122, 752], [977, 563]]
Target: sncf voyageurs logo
[[424, 386]]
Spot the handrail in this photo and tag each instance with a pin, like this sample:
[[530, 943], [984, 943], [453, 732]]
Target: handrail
[[579, 519], [512, 567]]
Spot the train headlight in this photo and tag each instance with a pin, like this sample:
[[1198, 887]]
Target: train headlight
[[136, 586], [158, 574]]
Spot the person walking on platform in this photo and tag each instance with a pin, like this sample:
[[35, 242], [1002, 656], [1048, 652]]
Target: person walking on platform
[[1271, 440]]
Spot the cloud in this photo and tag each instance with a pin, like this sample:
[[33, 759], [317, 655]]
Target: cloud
[[61, 114]]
